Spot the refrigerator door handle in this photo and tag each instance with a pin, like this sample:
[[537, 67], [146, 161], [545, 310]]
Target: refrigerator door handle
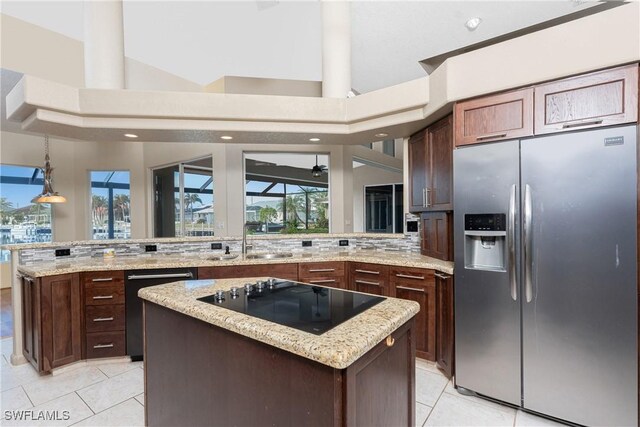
[[511, 226], [528, 246]]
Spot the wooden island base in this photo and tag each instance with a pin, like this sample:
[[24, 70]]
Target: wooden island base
[[198, 374]]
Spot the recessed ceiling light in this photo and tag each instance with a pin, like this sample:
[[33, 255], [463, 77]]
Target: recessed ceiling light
[[130, 135], [473, 23], [381, 135], [314, 139], [226, 137]]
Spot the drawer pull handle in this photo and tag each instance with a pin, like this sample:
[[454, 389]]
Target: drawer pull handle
[[368, 272], [103, 319], [407, 276], [323, 281], [410, 289], [390, 341], [495, 135], [187, 275], [103, 279], [441, 276], [366, 282], [103, 345], [586, 123], [321, 270], [103, 297]]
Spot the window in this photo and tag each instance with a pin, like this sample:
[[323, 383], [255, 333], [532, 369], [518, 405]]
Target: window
[[389, 147], [183, 203], [22, 221], [383, 208], [110, 205], [284, 195]]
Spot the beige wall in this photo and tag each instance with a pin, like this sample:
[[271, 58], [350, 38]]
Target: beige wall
[[73, 160]]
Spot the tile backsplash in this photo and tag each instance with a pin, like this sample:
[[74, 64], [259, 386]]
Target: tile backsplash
[[409, 243]]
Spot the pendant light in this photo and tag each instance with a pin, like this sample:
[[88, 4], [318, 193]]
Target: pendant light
[[48, 195]]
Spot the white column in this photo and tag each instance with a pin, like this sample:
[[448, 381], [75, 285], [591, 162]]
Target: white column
[[336, 48], [103, 44]]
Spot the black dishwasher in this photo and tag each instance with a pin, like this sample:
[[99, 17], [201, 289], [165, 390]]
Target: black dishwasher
[[136, 280]]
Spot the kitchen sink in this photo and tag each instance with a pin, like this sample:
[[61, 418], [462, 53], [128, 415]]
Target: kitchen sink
[[222, 257], [269, 255]]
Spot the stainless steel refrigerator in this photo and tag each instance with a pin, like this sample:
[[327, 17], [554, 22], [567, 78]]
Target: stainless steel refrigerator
[[545, 255]]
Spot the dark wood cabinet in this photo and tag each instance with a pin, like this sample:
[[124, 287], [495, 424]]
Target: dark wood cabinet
[[369, 278], [31, 330], [602, 98], [103, 314], [445, 337], [437, 235], [331, 273], [280, 271], [378, 389], [494, 118], [418, 285], [418, 171], [60, 320], [431, 167]]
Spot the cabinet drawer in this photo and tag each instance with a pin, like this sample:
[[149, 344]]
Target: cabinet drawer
[[105, 344], [493, 118], [320, 269], [281, 271], [410, 276], [101, 318], [596, 99], [369, 278], [330, 282], [103, 293], [102, 277]]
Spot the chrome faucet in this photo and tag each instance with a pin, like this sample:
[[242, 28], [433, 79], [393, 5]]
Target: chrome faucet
[[244, 240]]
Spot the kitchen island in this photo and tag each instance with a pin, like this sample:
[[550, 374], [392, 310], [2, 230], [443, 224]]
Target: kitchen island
[[208, 365]]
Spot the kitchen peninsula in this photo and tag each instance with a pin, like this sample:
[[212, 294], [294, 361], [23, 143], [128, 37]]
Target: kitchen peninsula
[[204, 362]]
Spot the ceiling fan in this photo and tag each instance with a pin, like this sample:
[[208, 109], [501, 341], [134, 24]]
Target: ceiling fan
[[317, 171]]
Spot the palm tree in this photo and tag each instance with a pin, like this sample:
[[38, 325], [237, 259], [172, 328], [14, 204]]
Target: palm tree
[[5, 207], [267, 214], [189, 200], [121, 205], [293, 205], [99, 207]]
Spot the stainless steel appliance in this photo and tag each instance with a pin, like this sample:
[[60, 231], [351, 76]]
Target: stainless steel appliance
[[546, 270], [136, 280]]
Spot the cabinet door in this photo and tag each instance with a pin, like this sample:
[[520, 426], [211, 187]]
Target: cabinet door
[[440, 174], [417, 172], [61, 318], [444, 325], [598, 99], [31, 321], [418, 285], [493, 118], [437, 235]]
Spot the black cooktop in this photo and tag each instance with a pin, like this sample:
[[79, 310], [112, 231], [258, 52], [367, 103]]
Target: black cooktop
[[309, 308]]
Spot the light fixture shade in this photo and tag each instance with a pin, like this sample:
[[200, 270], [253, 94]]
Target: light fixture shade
[[48, 195]]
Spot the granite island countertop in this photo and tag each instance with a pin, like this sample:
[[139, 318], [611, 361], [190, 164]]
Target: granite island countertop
[[178, 261], [338, 348]]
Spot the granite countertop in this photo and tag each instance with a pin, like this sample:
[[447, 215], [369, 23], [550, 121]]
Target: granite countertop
[[198, 260], [337, 348]]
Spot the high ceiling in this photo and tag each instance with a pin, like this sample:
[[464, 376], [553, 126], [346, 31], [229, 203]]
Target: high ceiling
[[205, 40]]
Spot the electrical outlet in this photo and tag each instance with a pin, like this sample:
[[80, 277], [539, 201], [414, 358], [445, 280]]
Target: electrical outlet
[[151, 248], [343, 243], [216, 246], [63, 252], [307, 243]]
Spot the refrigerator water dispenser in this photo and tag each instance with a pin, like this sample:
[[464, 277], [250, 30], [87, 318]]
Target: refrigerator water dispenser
[[485, 240]]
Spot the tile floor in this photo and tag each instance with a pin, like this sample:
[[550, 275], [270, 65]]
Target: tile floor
[[111, 394]]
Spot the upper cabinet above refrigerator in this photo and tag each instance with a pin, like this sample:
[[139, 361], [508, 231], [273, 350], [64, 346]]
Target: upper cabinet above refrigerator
[[494, 118], [602, 98]]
